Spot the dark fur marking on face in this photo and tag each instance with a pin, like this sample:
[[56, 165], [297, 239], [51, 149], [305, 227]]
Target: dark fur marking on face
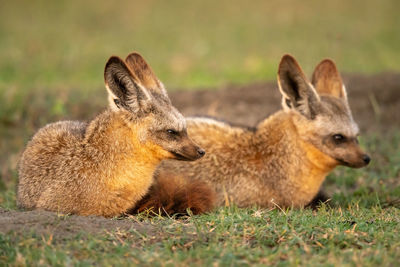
[[173, 136], [342, 162], [180, 157]]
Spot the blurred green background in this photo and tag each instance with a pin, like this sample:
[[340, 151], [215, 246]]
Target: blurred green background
[[63, 45]]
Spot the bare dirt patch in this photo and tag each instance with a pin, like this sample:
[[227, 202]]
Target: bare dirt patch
[[60, 227], [374, 100]]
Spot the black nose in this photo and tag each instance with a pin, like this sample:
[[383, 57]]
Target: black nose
[[366, 159], [201, 152]]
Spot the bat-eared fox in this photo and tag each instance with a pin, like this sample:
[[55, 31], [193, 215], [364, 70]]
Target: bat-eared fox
[[103, 167], [281, 162]]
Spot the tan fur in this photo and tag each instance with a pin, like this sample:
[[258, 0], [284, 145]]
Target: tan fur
[[105, 166], [251, 167], [327, 79], [144, 74], [287, 157], [86, 174]]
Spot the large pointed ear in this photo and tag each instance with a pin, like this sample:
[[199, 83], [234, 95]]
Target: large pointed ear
[[144, 73], [327, 81], [123, 88], [297, 92]]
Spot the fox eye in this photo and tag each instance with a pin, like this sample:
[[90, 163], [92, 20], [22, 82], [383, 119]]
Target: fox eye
[[339, 138], [117, 102], [172, 132]]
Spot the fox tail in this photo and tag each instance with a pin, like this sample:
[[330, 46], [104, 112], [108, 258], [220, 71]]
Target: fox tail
[[174, 195]]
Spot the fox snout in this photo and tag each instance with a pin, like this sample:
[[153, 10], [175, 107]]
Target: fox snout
[[366, 159], [189, 152], [363, 161], [355, 158]]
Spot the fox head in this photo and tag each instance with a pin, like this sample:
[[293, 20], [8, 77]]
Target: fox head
[[135, 91], [322, 113]]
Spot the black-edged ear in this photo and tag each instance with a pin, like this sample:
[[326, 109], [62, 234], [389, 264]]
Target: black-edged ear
[[123, 87], [327, 80], [144, 73], [298, 94]]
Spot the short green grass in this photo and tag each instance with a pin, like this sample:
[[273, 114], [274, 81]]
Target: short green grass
[[350, 236], [359, 227], [52, 55]]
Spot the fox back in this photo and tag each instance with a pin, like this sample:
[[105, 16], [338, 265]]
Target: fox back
[[105, 166], [286, 157]]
